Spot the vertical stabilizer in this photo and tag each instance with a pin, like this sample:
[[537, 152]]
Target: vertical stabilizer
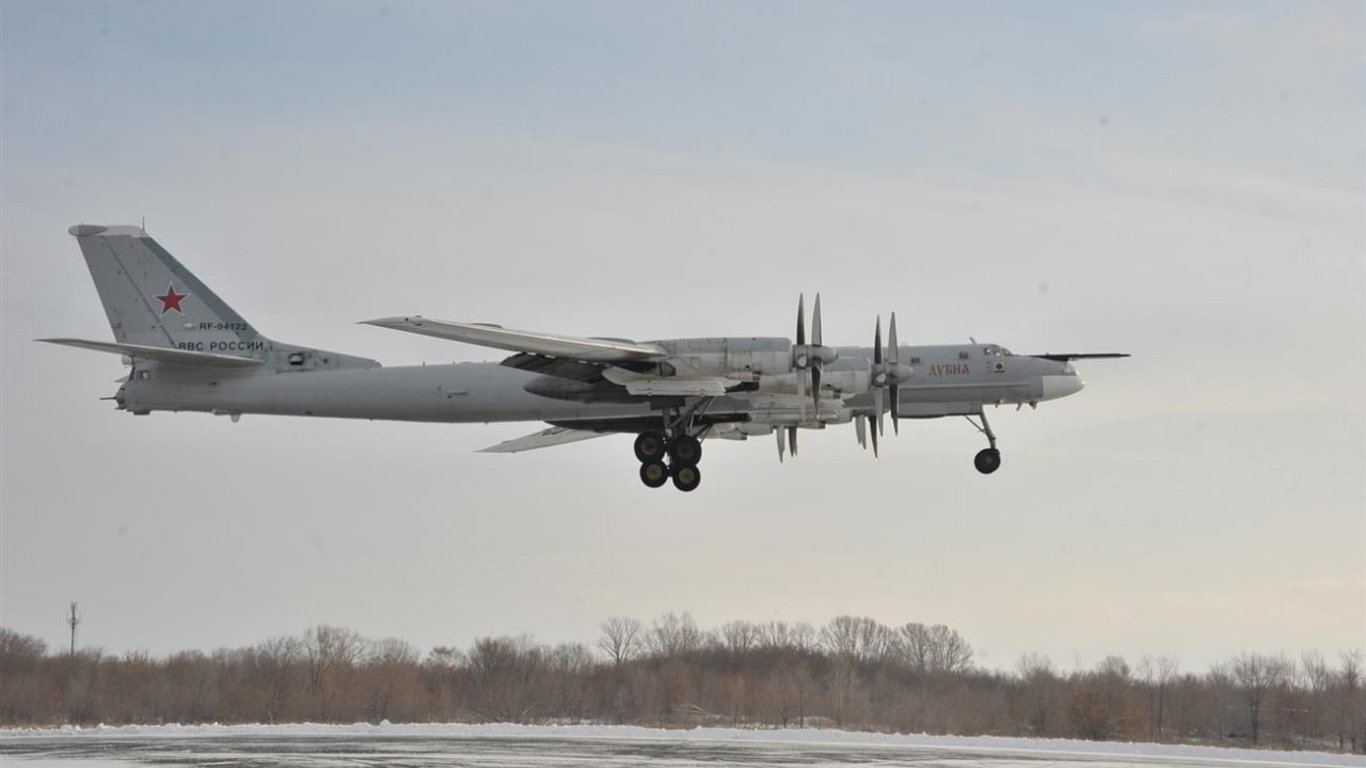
[[154, 301]]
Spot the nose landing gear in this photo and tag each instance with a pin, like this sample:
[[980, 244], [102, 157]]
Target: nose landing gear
[[988, 459]]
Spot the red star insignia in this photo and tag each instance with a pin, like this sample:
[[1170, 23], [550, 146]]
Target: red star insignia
[[171, 300]]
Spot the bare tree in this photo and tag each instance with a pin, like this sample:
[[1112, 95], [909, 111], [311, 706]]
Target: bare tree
[[1099, 706], [391, 668], [504, 678], [857, 637], [913, 642], [19, 651], [1038, 682], [1157, 674], [950, 653], [739, 637], [674, 635], [1349, 684], [936, 649], [1257, 676], [275, 662], [621, 639], [800, 636], [1315, 681]]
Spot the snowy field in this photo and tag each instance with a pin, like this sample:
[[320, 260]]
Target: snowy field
[[418, 746]]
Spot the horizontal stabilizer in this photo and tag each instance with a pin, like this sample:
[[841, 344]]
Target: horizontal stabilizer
[[543, 439], [160, 354], [1064, 357], [551, 345]]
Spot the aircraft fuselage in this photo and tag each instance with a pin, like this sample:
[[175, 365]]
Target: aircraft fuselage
[[947, 380]]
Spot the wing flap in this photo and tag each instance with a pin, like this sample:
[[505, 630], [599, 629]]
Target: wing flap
[[548, 344], [160, 354], [543, 439]]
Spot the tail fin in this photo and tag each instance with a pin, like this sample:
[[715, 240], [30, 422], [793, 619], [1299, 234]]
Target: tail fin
[[154, 301]]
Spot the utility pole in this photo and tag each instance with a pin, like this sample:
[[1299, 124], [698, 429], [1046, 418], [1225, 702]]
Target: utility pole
[[73, 621]]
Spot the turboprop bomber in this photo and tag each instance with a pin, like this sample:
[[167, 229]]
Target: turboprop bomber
[[189, 351]]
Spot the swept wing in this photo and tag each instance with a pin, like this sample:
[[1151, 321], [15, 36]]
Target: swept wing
[[532, 342], [543, 439]]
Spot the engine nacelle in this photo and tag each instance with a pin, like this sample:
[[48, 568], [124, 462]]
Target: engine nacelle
[[846, 382], [746, 359]]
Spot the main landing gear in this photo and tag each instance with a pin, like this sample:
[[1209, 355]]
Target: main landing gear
[[662, 459], [987, 460]]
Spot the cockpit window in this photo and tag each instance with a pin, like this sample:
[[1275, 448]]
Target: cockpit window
[[1006, 352]]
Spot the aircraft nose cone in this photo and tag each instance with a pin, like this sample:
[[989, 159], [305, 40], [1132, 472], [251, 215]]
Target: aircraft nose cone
[[1061, 386]]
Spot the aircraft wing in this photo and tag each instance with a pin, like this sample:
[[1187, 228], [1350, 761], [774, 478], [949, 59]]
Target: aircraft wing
[[543, 439], [531, 342]]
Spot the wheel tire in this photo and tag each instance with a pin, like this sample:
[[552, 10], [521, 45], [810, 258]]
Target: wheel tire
[[654, 474], [987, 460], [686, 451], [687, 478], [650, 446]]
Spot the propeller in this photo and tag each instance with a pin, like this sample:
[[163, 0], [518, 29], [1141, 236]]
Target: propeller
[[786, 434], [885, 375], [813, 356], [894, 381]]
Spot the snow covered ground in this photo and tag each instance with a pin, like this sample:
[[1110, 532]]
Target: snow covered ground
[[503, 745]]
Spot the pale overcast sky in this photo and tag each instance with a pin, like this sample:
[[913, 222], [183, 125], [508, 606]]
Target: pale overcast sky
[[1179, 181]]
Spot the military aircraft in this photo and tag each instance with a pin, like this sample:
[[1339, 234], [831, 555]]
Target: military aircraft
[[189, 351]]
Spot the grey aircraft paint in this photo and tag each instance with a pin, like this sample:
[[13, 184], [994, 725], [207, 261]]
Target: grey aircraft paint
[[189, 351]]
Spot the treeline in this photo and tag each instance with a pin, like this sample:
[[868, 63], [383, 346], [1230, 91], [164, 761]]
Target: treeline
[[849, 673]]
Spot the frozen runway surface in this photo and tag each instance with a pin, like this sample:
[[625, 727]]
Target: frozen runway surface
[[501, 746]]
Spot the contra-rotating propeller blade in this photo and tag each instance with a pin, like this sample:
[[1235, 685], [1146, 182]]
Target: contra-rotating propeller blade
[[885, 375], [878, 405], [877, 342], [893, 388], [873, 428], [812, 357], [816, 361]]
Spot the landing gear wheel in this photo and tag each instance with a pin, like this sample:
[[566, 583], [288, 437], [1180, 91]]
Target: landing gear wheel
[[654, 474], [686, 451], [987, 460], [687, 478], [650, 446]]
